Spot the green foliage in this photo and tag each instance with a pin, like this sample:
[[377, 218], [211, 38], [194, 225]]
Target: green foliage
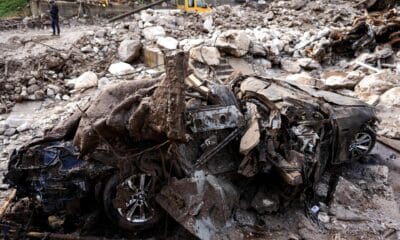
[[10, 7]]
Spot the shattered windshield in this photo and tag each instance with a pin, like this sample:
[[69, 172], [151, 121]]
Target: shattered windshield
[[201, 3]]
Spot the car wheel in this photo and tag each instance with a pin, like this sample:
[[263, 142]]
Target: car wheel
[[130, 202], [362, 143]]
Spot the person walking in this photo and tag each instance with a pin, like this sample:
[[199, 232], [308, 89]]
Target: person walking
[[54, 17]]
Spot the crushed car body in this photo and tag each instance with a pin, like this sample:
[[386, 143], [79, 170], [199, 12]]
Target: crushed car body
[[193, 148]]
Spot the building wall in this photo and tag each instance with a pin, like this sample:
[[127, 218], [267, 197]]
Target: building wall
[[69, 9]]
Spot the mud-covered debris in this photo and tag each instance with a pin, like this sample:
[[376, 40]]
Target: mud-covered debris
[[378, 5], [192, 201], [258, 123], [203, 138], [167, 115], [347, 194], [367, 31]]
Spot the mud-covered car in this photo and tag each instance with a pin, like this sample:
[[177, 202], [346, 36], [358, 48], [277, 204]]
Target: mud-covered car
[[191, 148]]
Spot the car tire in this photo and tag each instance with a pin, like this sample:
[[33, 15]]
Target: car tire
[[362, 143], [133, 200]]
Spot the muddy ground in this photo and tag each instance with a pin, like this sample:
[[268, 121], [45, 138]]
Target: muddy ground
[[290, 40]]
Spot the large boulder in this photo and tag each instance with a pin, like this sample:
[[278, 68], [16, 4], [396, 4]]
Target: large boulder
[[3, 127], [290, 66], [206, 55], [84, 81], [129, 50], [120, 68], [146, 16], [14, 121], [167, 43], [390, 123], [208, 24], [389, 113], [100, 33], [187, 44], [391, 97], [340, 81], [303, 79], [308, 63], [298, 4], [234, 42], [257, 49], [376, 84], [275, 46], [153, 33]]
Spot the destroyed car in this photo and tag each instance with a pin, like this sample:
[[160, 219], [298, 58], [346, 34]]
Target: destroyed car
[[191, 147]]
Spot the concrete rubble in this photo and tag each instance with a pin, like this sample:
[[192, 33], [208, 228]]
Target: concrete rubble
[[163, 76]]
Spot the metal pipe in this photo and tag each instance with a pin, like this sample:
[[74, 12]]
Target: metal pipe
[[136, 10]]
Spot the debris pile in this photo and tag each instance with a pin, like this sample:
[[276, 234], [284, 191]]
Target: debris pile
[[19, 23], [272, 99], [284, 133], [54, 73]]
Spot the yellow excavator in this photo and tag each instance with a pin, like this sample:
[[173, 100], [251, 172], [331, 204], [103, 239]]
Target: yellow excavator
[[103, 3], [200, 6]]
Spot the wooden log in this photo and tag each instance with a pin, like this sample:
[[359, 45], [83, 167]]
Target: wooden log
[[7, 202]]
